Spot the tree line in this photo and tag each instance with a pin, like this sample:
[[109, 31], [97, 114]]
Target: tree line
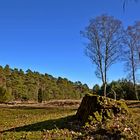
[[109, 42], [17, 85], [119, 89]]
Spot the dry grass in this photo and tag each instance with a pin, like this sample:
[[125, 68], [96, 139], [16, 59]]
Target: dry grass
[[43, 121]]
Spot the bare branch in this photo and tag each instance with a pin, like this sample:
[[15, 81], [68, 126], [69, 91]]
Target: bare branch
[[131, 53], [104, 34]]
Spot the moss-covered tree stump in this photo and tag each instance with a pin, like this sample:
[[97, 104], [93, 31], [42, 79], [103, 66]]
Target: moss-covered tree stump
[[99, 108]]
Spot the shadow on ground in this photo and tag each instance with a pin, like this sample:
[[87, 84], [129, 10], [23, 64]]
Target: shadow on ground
[[46, 125]]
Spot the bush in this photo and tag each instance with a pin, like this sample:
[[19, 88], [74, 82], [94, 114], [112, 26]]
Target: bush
[[5, 95]]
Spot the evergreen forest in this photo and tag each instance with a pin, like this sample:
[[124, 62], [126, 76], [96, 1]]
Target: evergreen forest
[[17, 85]]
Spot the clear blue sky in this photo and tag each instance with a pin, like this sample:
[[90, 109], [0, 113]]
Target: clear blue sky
[[44, 35]]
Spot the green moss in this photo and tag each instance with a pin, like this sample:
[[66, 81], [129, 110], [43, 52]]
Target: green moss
[[123, 107], [109, 113], [98, 116], [100, 108], [92, 120]]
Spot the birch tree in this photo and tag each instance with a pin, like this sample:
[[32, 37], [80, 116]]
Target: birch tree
[[104, 35], [131, 52]]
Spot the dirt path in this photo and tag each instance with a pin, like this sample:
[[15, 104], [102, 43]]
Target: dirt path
[[57, 103], [49, 104]]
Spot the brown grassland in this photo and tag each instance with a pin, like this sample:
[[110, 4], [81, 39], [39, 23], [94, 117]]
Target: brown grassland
[[45, 121]]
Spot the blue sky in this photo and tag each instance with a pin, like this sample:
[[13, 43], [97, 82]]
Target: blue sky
[[44, 35]]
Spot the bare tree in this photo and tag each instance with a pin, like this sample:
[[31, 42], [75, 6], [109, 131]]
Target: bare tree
[[104, 35], [137, 32], [131, 51]]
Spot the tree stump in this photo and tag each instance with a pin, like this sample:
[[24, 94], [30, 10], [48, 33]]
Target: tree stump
[[99, 108]]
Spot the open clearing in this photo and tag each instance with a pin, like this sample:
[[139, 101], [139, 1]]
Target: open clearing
[[31, 122]]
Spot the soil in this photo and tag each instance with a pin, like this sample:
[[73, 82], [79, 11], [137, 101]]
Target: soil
[[47, 104]]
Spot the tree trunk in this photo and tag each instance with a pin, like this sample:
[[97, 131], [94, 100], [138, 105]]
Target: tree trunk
[[136, 93], [105, 85], [133, 75]]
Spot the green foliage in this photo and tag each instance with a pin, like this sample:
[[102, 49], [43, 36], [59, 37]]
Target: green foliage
[[121, 89], [5, 95], [24, 86], [96, 89]]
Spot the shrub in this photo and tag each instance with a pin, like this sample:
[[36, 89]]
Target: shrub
[[5, 95]]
